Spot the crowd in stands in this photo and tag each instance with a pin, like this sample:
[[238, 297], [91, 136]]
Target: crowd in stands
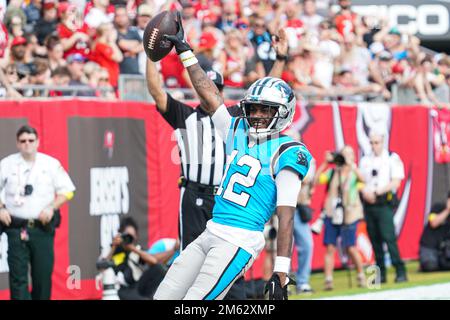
[[332, 49]]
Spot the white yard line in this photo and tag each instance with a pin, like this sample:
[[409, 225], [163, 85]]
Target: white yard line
[[439, 291]]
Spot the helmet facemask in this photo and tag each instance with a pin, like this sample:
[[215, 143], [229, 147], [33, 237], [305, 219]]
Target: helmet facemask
[[272, 93], [273, 110]]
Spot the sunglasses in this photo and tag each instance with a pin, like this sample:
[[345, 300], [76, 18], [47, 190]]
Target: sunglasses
[[375, 142], [27, 140]]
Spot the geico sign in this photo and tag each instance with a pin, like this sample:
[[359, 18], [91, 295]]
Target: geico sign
[[427, 19]]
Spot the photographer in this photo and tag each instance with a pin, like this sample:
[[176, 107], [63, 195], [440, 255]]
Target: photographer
[[138, 272], [342, 207], [383, 172], [36, 186], [434, 253]]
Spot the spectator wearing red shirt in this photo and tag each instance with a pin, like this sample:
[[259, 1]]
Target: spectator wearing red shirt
[[207, 8], [346, 20], [173, 72], [106, 52], [73, 36], [286, 16], [99, 12], [3, 39]]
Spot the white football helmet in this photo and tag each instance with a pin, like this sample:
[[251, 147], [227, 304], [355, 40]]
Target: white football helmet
[[273, 93]]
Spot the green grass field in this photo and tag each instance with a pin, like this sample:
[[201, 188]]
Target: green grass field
[[341, 282]]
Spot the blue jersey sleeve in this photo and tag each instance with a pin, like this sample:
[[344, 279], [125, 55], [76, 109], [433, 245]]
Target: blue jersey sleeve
[[236, 130], [294, 156]]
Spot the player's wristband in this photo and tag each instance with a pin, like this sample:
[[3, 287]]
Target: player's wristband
[[282, 264], [188, 58]]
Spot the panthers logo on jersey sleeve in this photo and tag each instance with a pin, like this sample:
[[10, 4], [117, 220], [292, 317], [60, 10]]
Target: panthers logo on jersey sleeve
[[292, 155]]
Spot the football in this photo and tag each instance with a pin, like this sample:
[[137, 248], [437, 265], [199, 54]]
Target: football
[[155, 47]]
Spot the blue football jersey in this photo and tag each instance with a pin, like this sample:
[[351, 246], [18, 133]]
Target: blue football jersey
[[247, 195]]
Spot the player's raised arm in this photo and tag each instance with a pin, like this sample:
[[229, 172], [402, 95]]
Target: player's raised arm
[[155, 88], [205, 88]]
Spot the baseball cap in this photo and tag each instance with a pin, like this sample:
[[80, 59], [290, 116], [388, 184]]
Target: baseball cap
[[49, 4], [394, 30], [145, 10], [17, 41], [75, 57], [216, 77], [207, 41]]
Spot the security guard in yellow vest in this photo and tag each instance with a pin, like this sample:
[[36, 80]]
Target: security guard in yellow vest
[[35, 186], [383, 172]]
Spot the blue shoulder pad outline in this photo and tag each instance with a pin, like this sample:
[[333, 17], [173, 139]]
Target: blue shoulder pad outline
[[292, 155]]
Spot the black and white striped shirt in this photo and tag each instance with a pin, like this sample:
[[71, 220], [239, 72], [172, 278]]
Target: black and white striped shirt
[[202, 151]]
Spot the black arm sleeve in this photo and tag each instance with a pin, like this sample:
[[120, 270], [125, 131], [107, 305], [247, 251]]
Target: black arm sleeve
[[177, 113]]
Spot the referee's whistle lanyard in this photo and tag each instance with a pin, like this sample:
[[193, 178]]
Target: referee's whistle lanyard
[[19, 196]]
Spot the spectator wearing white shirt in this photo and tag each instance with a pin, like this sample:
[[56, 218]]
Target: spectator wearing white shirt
[[35, 187], [383, 172]]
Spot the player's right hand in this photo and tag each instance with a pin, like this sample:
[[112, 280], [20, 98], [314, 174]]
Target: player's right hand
[[178, 39], [275, 289]]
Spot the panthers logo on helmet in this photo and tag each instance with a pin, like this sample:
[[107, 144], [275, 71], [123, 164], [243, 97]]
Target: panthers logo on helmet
[[286, 90]]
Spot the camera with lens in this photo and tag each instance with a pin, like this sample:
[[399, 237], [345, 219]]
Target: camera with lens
[[127, 238], [28, 190], [338, 159], [104, 264]]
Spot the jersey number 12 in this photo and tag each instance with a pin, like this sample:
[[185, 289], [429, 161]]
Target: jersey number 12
[[247, 180]]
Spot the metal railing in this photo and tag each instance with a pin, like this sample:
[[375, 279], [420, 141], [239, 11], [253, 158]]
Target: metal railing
[[134, 88]]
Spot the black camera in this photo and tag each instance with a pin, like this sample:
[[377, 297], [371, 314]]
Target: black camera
[[28, 190], [104, 264], [374, 173], [127, 238], [338, 159]]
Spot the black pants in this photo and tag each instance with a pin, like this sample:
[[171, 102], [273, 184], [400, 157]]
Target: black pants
[[36, 252], [429, 259], [196, 210], [150, 280], [381, 229]]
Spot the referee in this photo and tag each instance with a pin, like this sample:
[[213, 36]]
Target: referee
[[202, 153]]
